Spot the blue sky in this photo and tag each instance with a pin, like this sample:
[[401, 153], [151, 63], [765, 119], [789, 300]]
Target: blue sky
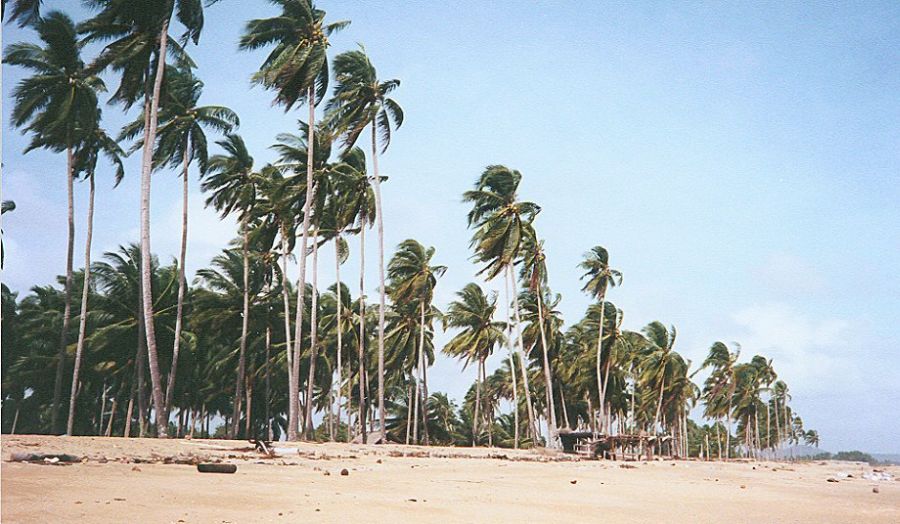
[[740, 163]]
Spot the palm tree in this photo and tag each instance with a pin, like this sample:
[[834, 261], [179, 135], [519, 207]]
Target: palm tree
[[7, 206], [233, 185], [297, 70], [718, 390], [139, 47], [661, 363], [600, 277], [181, 140], [534, 273], [501, 224], [58, 107], [360, 101], [473, 313], [87, 155], [412, 282]]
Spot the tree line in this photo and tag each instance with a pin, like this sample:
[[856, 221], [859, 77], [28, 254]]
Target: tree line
[[270, 356]]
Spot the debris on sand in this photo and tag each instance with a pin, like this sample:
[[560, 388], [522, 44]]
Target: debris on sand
[[879, 476], [832, 479], [344, 472], [573, 482], [875, 489], [208, 467], [627, 466], [44, 458]]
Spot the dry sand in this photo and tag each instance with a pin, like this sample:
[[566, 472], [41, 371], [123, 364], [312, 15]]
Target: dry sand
[[416, 484]]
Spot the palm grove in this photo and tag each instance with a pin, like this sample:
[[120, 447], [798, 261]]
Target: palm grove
[[141, 351]]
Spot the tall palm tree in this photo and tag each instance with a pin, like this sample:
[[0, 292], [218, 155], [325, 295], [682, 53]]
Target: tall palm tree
[[412, 282], [233, 186], [661, 363], [501, 222], [297, 70], [360, 101], [534, 275], [87, 155], [181, 139], [600, 277], [57, 106], [718, 390], [139, 35], [473, 313]]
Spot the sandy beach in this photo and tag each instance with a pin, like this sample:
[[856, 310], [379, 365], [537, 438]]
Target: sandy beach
[[119, 480]]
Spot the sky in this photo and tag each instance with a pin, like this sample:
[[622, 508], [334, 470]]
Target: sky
[[740, 162]]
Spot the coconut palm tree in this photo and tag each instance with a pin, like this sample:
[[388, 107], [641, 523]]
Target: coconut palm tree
[[360, 101], [534, 275], [412, 282], [718, 390], [600, 277], [139, 42], [57, 106], [501, 222], [473, 314], [297, 70], [181, 139], [661, 364], [87, 155], [233, 186]]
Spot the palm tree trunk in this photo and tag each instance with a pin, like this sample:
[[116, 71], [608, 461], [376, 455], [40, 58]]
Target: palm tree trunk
[[67, 308], [548, 378], [728, 430], [409, 411], [562, 404], [338, 324], [112, 415], [532, 427], [140, 370], [512, 363], [662, 384], [362, 330], [424, 365], [477, 402], [147, 292], [600, 390], [82, 324], [294, 405], [313, 337], [268, 391], [285, 296], [379, 218], [182, 285], [242, 356]]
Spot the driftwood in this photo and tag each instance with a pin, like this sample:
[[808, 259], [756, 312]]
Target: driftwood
[[51, 458]]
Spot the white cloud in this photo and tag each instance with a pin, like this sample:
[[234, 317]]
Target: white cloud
[[810, 354]]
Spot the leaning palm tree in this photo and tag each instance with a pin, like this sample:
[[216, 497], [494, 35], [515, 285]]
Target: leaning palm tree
[[661, 364], [233, 186], [412, 282], [88, 153], [181, 139], [600, 277], [361, 101], [534, 275], [473, 313], [718, 390], [297, 70], [138, 36], [57, 106], [501, 222]]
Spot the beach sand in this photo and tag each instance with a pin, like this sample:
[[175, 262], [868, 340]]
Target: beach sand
[[125, 480]]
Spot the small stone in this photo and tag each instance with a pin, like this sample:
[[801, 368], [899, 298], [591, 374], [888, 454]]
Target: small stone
[[135, 468], [875, 489], [743, 486], [573, 482], [317, 509], [411, 500], [327, 473], [344, 472], [832, 479], [378, 461]]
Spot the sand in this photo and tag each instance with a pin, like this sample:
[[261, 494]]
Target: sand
[[417, 484]]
